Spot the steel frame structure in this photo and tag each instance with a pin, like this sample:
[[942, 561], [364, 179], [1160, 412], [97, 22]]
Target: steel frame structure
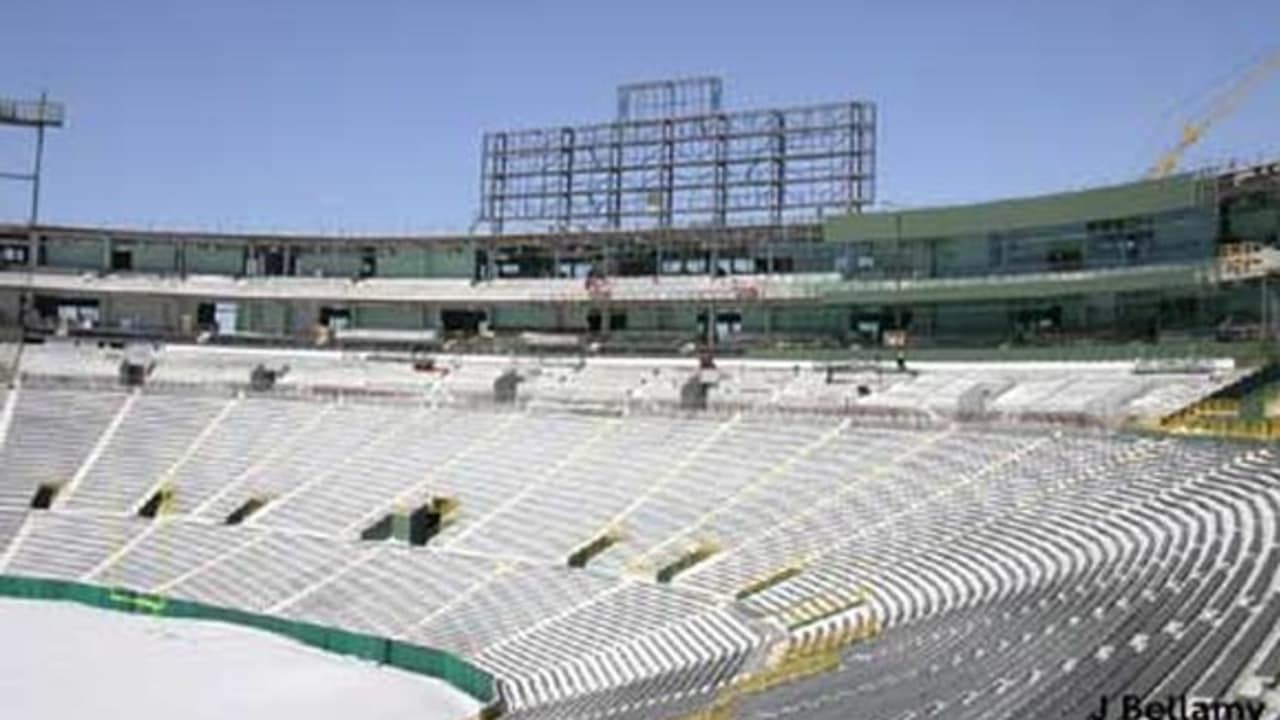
[[39, 114], [670, 98], [777, 166]]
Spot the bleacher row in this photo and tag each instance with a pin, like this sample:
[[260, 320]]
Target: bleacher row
[[1089, 393], [1016, 573], [1164, 584]]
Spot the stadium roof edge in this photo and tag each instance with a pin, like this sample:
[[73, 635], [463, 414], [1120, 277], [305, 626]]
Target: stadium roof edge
[[1120, 200], [740, 232]]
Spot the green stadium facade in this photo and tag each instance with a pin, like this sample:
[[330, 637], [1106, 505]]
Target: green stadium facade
[[1183, 257]]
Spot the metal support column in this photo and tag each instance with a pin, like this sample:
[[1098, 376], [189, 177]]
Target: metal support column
[[35, 173]]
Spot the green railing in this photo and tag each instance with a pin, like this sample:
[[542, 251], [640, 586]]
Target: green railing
[[413, 658]]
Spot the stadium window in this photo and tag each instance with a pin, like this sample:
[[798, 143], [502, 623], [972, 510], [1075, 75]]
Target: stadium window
[[1123, 240], [898, 318], [14, 254], [463, 321], [335, 318], [1064, 258], [868, 330], [618, 320], [727, 324], [784, 265], [79, 314], [206, 315], [643, 263], [121, 260], [995, 251], [267, 261], [575, 269], [226, 317]]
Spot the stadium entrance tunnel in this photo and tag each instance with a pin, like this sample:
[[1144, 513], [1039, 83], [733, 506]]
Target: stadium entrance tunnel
[[44, 496], [160, 502], [136, 366], [416, 527], [696, 390], [769, 580], [246, 508], [585, 554], [132, 374], [506, 387], [694, 555], [263, 378]]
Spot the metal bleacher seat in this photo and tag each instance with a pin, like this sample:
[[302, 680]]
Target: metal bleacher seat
[[1013, 571]]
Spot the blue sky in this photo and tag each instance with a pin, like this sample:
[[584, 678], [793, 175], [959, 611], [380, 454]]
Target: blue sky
[[366, 116]]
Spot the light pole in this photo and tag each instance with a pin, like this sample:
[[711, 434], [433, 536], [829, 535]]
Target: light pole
[[38, 114]]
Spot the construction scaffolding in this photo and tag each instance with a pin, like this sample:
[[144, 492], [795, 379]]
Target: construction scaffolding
[[38, 114], [669, 98], [674, 159]]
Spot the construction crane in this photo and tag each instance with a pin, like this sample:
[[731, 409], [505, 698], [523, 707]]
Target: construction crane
[[1223, 106]]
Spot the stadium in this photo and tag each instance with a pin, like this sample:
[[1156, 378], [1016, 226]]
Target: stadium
[[685, 428]]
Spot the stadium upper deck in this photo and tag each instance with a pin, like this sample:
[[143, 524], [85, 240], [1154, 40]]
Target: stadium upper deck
[[1181, 256]]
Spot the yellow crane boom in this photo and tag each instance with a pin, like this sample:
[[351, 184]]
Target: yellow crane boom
[[1222, 107]]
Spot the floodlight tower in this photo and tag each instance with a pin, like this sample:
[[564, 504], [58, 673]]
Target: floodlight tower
[[38, 114]]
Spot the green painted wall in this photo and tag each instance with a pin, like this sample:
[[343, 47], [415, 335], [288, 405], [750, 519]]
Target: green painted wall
[[398, 261], [390, 317], [268, 317], [1260, 225], [214, 260], [532, 317], [444, 262], [328, 263], [151, 257], [1140, 198], [979, 320], [83, 254], [140, 311], [830, 319], [402, 262]]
